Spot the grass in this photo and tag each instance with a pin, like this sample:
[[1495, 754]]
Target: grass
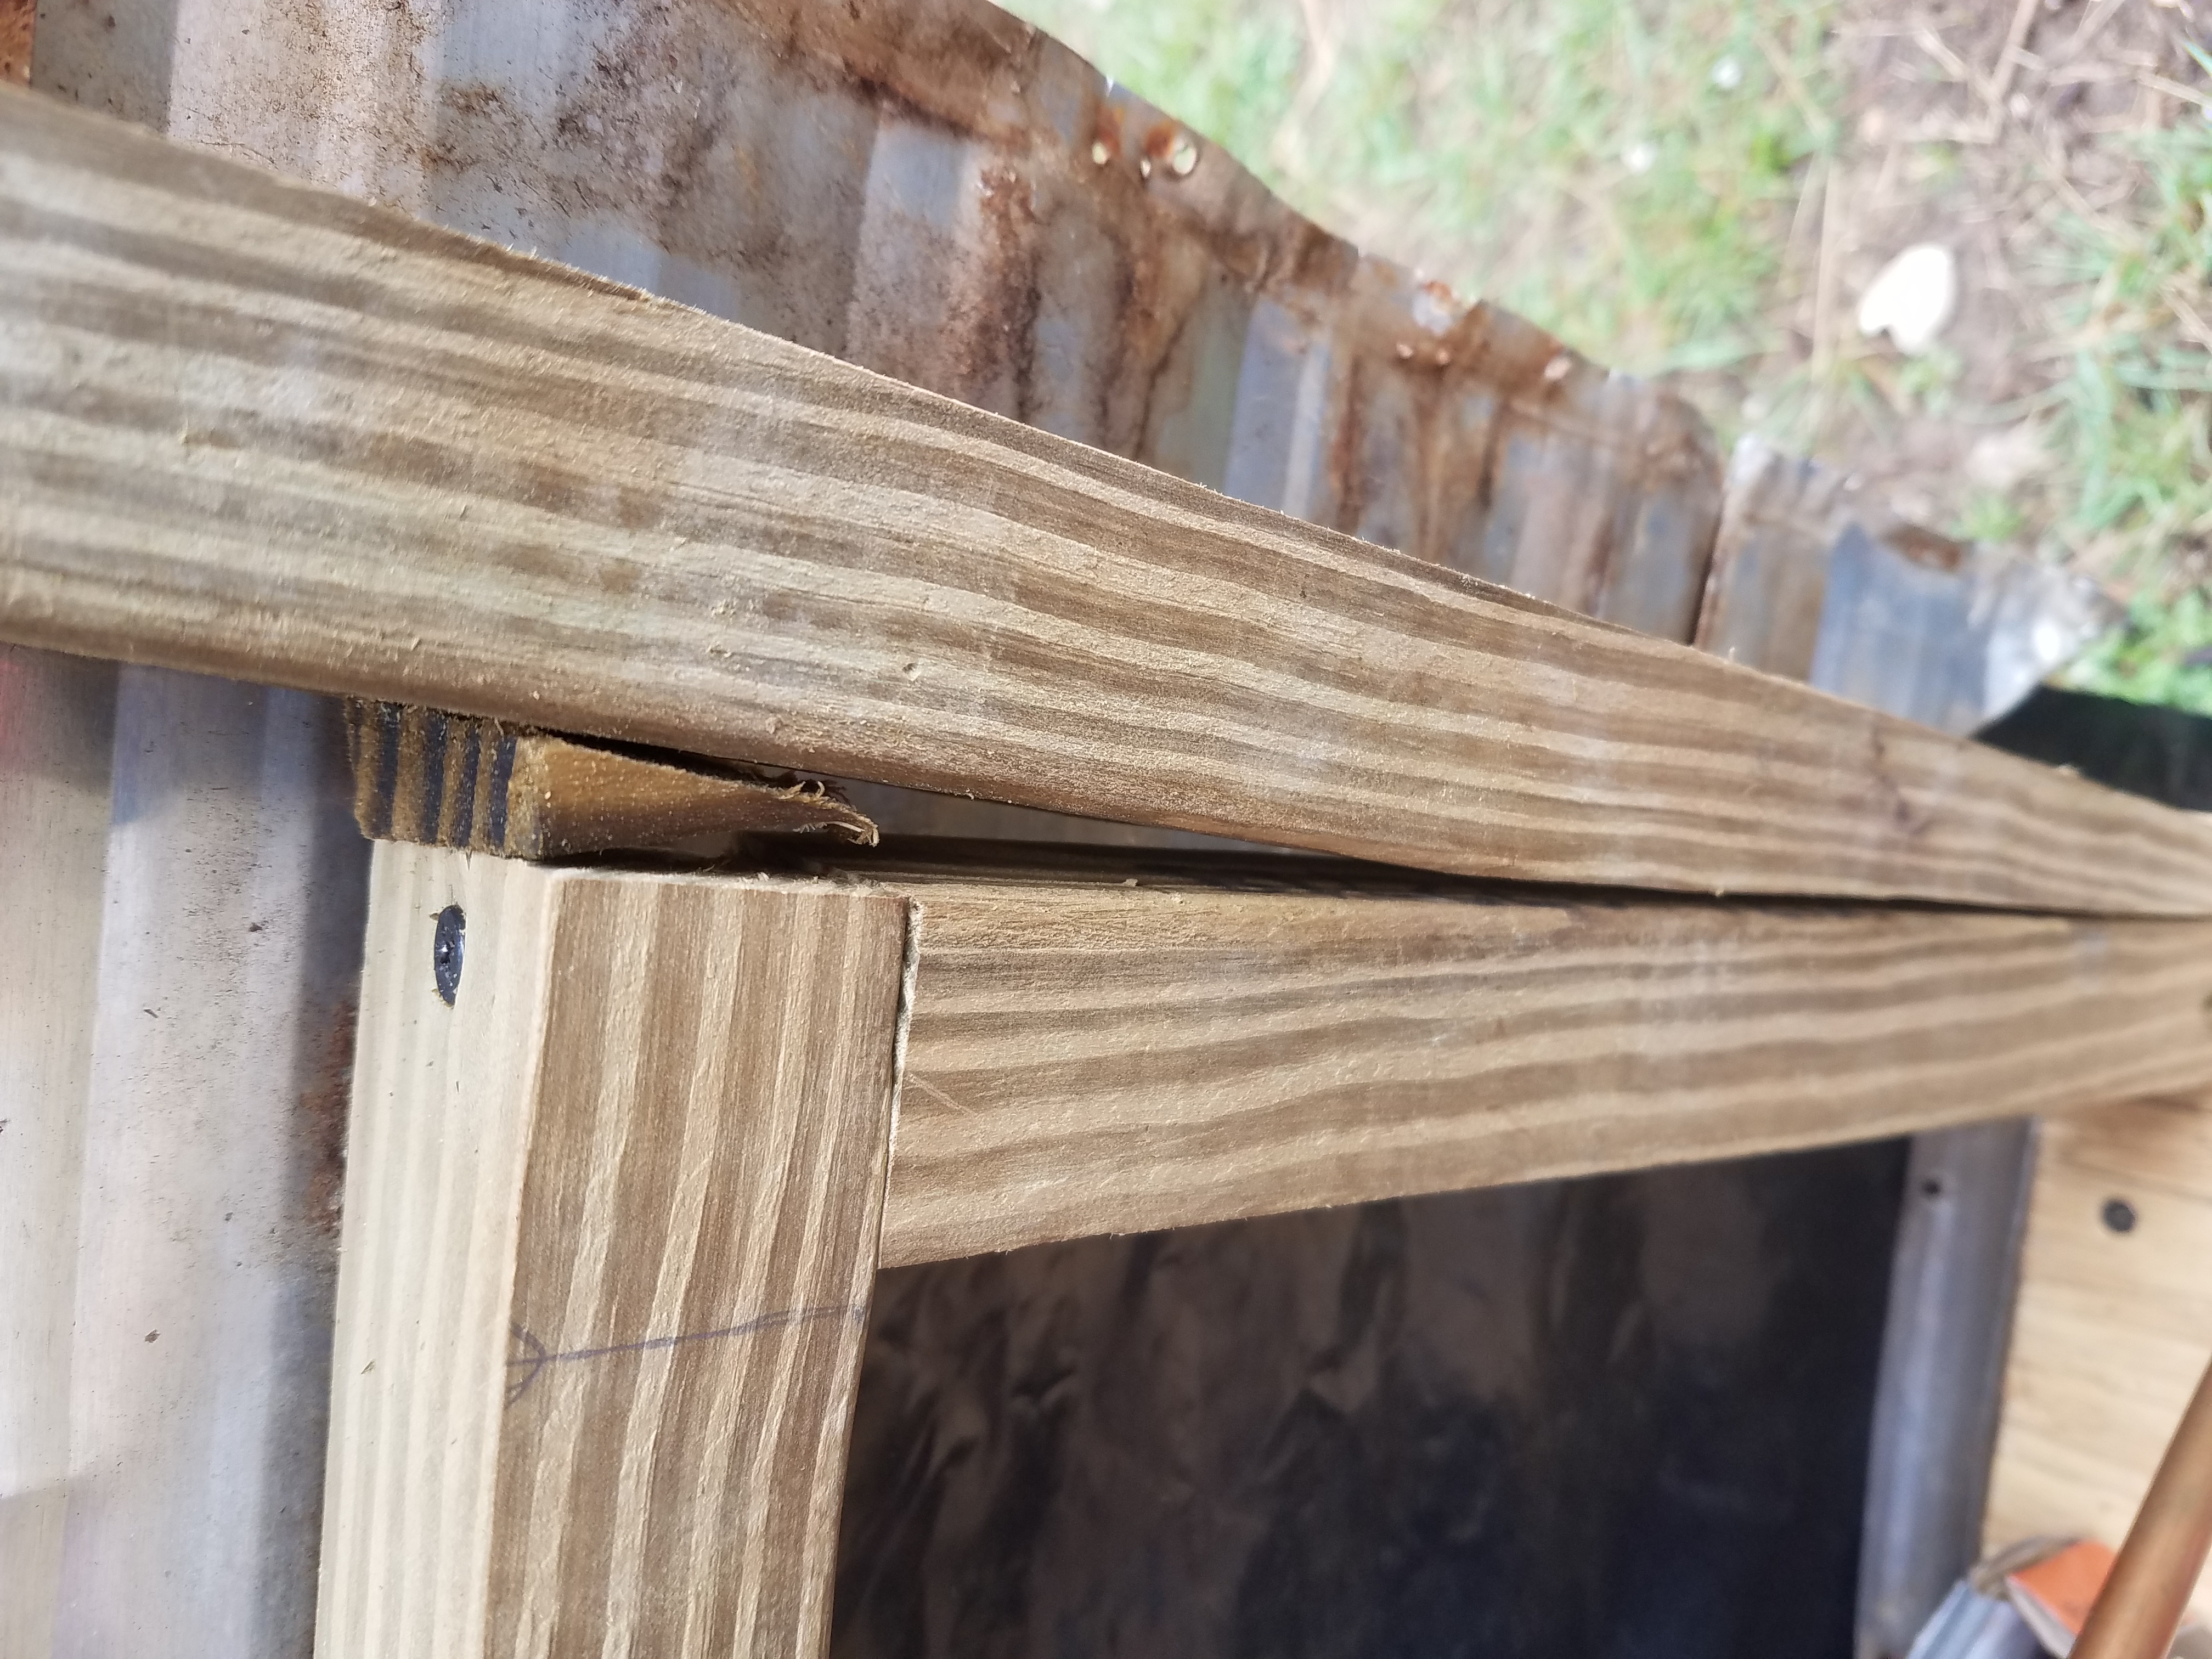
[[1625, 175], [2132, 419], [1645, 180], [1227, 68], [2162, 655], [2134, 403]]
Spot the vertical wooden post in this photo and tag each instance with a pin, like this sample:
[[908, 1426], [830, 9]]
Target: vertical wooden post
[[609, 1236]]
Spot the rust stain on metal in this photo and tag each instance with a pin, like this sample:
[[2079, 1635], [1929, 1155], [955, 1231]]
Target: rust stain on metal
[[17, 20], [936, 190], [1925, 547], [1157, 274], [321, 1121]]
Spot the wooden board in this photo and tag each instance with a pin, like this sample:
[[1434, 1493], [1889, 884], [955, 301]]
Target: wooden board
[[1088, 1059], [2113, 1328], [256, 428], [448, 781], [609, 1240]]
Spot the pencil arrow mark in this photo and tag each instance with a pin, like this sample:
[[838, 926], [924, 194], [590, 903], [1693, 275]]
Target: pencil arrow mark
[[530, 1357]]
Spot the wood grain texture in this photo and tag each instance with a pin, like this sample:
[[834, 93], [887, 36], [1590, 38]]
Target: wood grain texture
[[2112, 1329], [609, 1240], [253, 427], [447, 780], [1087, 1059], [1186, 319]]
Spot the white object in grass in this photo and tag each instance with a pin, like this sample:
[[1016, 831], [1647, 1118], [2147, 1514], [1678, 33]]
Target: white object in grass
[[1913, 297]]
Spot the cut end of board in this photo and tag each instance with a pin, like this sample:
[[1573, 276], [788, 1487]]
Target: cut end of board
[[441, 780]]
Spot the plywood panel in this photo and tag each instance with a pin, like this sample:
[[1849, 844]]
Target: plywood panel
[[2113, 1328]]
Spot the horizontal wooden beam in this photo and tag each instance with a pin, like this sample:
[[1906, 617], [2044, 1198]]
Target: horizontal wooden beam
[[261, 430], [1088, 1058]]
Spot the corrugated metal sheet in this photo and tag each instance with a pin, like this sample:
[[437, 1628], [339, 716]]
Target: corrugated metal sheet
[[1813, 580], [936, 190]]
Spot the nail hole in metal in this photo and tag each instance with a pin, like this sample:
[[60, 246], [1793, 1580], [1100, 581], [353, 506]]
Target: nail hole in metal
[[2119, 1215], [445, 952]]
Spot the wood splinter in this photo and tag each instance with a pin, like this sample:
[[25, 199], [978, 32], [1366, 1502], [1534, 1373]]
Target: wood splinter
[[442, 780]]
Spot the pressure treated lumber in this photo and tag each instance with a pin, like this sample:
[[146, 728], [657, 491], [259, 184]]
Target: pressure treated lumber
[[1085, 1058], [2113, 1325], [256, 428], [608, 1241], [447, 780]]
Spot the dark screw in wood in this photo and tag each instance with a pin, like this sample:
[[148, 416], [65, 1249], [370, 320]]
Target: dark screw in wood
[[445, 952], [2119, 1215]]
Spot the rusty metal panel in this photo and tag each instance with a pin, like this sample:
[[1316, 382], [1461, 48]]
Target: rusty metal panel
[[936, 190], [1814, 580]]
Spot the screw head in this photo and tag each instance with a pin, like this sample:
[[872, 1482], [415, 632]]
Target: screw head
[[2119, 1215], [445, 952]]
